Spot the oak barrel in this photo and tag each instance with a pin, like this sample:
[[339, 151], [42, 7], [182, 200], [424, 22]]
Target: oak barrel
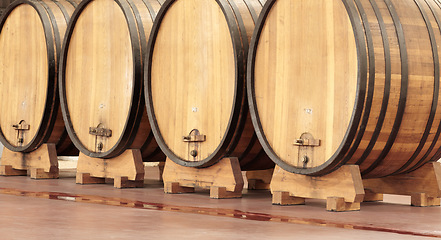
[[195, 82], [347, 82], [30, 43], [101, 78]]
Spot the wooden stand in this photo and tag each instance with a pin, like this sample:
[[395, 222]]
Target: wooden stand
[[259, 180], [343, 188], [127, 170], [161, 170], [39, 164], [224, 179], [423, 185]]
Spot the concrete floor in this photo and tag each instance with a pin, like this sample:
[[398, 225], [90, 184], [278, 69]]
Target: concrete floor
[[61, 209]]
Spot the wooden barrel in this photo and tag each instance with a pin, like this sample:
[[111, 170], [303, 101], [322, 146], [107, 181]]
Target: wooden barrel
[[347, 82], [30, 43], [101, 78], [195, 82]]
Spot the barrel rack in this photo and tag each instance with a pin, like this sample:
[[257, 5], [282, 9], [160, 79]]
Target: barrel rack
[[423, 185], [126, 170], [344, 189], [224, 179], [41, 163]]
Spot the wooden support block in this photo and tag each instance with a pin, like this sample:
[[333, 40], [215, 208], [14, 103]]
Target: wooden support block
[[43, 158], [124, 182], [7, 170], [224, 179], [85, 178], [422, 200], [259, 180], [221, 192], [344, 183], [127, 169], [370, 196], [338, 204], [423, 185], [174, 187], [283, 198], [39, 173]]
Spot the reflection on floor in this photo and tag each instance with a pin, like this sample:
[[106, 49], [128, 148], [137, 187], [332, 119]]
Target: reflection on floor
[[59, 208]]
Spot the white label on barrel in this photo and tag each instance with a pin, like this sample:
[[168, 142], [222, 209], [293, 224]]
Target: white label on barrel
[[194, 109]]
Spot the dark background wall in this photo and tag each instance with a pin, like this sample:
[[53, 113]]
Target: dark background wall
[[4, 4]]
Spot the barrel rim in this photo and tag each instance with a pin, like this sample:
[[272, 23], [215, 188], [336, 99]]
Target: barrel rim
[[51, 103], [128, 135], [239, 57], [335, 161]]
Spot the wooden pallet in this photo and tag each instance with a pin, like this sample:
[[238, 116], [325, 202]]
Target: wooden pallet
[[423, 185], [224, 179], [39, 164], [343, 188], [127, 170]]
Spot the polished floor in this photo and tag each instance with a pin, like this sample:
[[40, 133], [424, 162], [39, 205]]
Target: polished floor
[[61, 209]]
